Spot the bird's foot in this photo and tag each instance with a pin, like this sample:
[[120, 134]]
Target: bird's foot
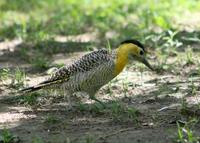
[[100, 102]]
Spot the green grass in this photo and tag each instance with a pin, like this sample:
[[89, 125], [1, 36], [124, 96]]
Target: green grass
[[17, 77], [121, 113], [117, 111], [7, 137], [89, 139], [37, 23], [125, 86], [185, 133], [190, 59], [153, 22], [40, 20], [4, 74], [37, 140], [51, 119], [29, 99]]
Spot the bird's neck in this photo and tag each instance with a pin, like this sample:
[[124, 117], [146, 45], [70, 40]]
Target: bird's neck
[[122, 54]]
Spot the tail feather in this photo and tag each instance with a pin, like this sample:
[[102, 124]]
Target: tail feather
[[32, 88], [40, 86]]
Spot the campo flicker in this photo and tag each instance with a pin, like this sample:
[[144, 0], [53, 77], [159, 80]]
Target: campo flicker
[[92, 71]]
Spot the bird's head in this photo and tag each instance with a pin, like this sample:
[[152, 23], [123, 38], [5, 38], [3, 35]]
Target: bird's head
[[134, 50]]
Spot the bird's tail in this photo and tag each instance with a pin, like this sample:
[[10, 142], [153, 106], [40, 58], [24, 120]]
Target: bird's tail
[[32, 88], [42, 85]]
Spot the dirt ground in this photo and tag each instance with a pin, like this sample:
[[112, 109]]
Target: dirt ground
[[158, 100]]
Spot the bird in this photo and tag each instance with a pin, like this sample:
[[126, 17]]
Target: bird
[[95, 69]]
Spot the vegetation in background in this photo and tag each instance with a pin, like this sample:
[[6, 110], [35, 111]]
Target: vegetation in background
[[41, 20], [154, 22]]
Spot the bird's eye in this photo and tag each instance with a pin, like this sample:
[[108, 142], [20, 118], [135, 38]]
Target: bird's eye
[[141, 53]]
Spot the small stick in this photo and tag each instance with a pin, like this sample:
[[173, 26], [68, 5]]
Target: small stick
[[115, 133]]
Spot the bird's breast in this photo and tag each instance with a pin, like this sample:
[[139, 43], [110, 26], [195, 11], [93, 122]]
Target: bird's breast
[[120, 63], [94, 78]]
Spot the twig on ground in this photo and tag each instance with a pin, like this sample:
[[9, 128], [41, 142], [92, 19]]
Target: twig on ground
[[115, 133]]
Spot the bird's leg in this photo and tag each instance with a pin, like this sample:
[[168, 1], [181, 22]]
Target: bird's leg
[[75, 96], [69, 101], [95, 99], [54, 93], [67, 97]]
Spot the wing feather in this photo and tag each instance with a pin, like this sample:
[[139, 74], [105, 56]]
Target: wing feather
[[84, 64]]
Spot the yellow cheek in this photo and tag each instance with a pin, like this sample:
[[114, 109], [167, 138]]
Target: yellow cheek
[[136, 51], [122, 56]]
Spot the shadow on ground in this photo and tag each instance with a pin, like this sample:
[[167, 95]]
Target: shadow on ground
[[149, 113], [53, 122]]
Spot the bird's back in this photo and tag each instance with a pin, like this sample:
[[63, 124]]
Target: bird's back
[[90, 81], [87, 74]]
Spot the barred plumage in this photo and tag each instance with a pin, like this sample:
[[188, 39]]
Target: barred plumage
[[84, 64], [92, 71], [87, 74]]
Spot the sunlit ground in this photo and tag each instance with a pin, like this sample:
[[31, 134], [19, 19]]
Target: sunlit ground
[[36, 37]]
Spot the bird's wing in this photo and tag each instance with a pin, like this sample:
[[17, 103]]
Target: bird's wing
[[84, 64]]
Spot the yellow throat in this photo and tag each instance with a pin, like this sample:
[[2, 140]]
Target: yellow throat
[[122, 56]]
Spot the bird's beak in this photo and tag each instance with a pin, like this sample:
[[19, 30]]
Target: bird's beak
[[144, 61]]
